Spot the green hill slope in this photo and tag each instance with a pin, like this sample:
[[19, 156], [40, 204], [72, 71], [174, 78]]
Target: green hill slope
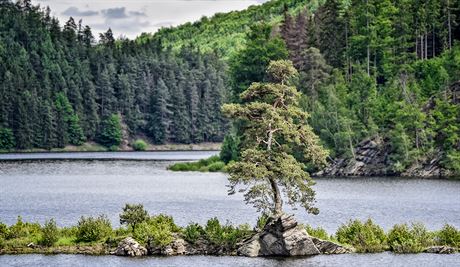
[[225, 32]]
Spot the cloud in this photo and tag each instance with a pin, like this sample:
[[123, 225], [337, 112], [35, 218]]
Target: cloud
[[75, 12], [163, 24], [138, 13], [115, 13]]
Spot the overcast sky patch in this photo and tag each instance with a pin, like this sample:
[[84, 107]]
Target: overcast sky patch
[[131, 18]]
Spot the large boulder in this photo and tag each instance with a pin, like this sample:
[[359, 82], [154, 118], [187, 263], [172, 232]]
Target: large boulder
[[328, 247], [177, 247], [130, 248], [440, 250], [282, 236]]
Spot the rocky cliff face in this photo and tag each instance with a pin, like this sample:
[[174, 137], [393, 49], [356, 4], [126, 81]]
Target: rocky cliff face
[[372, 155], [371, 160]]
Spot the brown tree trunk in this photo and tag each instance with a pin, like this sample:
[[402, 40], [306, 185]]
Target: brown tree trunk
[[278, 210]]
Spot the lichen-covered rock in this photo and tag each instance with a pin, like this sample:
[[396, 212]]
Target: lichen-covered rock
[[371, 159], [282, 236], [440, 250], [130, 248], [177, 247], [328, 247]]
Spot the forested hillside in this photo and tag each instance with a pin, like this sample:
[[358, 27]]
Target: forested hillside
[[369, 69], [59, 87], [381, 68]]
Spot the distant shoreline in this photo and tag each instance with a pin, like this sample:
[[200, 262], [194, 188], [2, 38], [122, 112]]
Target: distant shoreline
[[96, 148]]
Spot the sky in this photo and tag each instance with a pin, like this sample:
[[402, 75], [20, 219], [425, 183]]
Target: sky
[[129, 18]]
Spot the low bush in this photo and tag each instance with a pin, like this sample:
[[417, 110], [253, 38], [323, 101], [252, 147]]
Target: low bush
[[216, 166], [262, 221], [93, 229], [139, 145], [24, 230], [2, 243], [193, 232], [50, 233], [225, 235], [317, 232], [448, 236], [405, 239], [365, 237], [212, 164], [157, 229], [3, 230]]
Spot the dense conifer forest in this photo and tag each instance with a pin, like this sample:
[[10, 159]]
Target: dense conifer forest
[[58, 86], [367, 68]]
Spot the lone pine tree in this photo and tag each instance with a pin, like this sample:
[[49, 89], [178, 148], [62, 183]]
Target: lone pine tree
[[276, 129]]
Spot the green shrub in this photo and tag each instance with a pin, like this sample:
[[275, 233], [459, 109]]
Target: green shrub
[[140, 145], [7, 140], [193, 232], [93, 229], [317, 232], [113, 148], [24, 230], [226, 235], [208, 161], [229, 151], [213, 164], [448, 236], [2, 243], [367, 237], [262, 221], [111, 135], [3, 230], [216, 166], [157, 229], [50, 233], [133, 215], [403, 239]]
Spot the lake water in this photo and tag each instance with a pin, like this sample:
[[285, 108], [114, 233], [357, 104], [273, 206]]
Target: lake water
[[380, 260], [66, 189]]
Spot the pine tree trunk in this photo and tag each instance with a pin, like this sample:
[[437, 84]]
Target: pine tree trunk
[[449, 25], [434, 42], [278, 209]]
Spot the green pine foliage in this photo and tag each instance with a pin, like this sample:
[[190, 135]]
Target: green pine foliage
[[111, 135], [7, 140], [58, 85], [229, 150]]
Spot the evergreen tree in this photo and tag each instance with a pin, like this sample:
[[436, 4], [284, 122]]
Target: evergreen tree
[[160, 114], [249, 65], [110, 134], [276, 127]]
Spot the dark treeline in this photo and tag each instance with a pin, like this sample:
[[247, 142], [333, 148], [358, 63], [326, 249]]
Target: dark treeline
[[59, 87]]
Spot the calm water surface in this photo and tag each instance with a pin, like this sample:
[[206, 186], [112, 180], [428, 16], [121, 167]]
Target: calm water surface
[[383, 260], [147, 155], [65, 190]]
